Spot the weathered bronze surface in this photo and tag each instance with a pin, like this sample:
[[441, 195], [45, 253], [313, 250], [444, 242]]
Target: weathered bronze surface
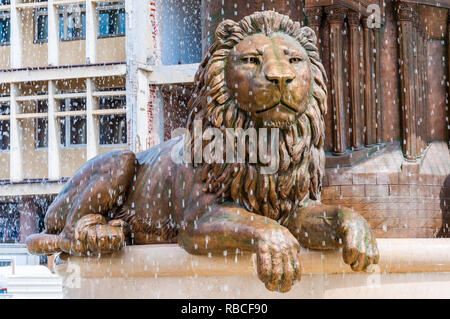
[[263, 71]]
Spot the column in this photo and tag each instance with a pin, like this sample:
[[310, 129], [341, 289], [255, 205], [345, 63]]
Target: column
[[355, 90], [28, 218], [16, 37], [448, 80], [91, 32], [362, 79], [415, 66], [53, 33], [425, 77], [405, 17], [141, 50], [54, 135], [92, 121], [336, 16], [373, 94], [378, 105], [420, 89], [314, 20], [15, 137], [368, 89], [143, 102]]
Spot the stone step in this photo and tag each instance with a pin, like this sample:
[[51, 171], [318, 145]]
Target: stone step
[[33, 289], [28, 287], [37, 296], [22, 280]]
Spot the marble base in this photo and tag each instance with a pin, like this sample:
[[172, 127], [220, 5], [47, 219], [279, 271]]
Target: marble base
[[408, 268]]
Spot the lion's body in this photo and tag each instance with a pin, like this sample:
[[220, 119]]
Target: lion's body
[[153, 203], [161, 195]]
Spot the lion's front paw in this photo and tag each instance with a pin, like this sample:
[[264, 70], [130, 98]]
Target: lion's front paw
[[278, 259], [94, 236], [360, 247]]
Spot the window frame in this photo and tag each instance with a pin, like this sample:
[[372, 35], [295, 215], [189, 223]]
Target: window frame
[[6, 15], [124, 105], [112, 6], [37, 13], [7, 150], [36, 126], [13, 212], [63, 11], [68, 127]]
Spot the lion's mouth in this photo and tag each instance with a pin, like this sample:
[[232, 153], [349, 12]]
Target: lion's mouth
[[278, 104]]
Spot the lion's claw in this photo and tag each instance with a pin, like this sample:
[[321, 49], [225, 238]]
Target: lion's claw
[[360, 247], [278, 261]]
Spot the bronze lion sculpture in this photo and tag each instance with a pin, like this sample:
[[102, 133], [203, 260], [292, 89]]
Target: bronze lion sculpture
[[262, 72]]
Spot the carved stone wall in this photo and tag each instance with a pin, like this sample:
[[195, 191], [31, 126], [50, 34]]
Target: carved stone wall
[[351, 52], [396, 93], [386, 86], [402, 79]]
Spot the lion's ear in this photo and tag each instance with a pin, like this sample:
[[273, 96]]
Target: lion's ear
[[224, 30], [308, 35]]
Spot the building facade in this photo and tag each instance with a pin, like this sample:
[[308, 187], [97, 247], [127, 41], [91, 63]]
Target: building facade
[[62, 100], [79, 78]]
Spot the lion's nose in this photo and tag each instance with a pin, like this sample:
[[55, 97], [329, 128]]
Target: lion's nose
[[280, 78]]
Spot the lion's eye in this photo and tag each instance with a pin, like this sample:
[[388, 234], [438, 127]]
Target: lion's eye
[[251, 60], [295, 60]]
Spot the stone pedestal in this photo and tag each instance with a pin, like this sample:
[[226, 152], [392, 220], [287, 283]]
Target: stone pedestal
[[408, 268], [398, 198]]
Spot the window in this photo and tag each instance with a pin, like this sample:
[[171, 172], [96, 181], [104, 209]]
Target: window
[[5, 31], [4, 128], [111, 19], [72, 22], [73, 128], [40, 25], [113, 128], [9, 223], [41, 125], [5, 2], [181, 34]]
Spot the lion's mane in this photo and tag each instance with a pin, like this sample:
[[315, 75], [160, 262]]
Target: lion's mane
[[302, 159]]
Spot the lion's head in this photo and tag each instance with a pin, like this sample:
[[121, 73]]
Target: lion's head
[[265, 71]]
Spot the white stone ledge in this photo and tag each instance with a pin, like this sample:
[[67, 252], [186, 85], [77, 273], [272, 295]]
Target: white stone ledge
[[168, 260], [62, 72], [408, 268], [30, 189], [170, 74]]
